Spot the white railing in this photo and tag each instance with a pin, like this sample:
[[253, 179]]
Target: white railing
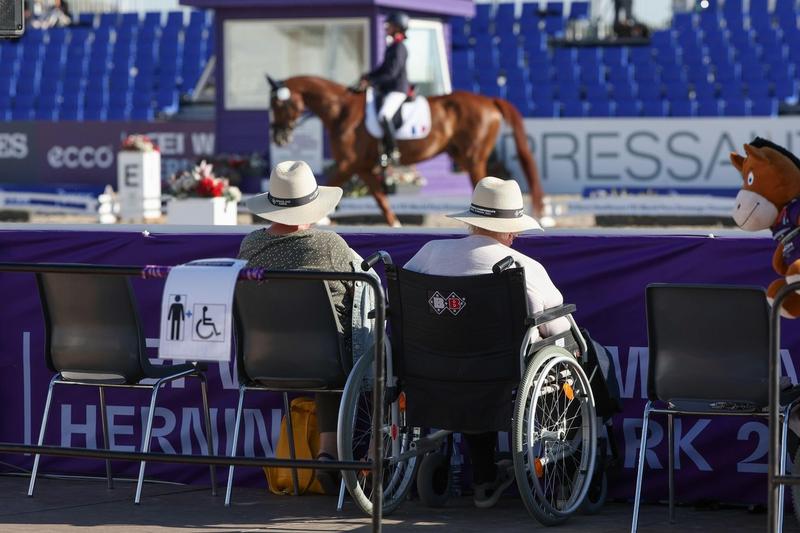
[[139, 6]]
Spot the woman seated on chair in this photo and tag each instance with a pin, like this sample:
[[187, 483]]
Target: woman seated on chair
[[294, 204], [494, 219]]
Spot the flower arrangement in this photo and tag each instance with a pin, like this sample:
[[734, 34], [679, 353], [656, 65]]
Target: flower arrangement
[[200, 182], [139, 143]]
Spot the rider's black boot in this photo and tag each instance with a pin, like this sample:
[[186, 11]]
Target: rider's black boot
[[390, 155]]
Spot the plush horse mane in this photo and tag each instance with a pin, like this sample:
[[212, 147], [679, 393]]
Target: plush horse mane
[[758, 142]]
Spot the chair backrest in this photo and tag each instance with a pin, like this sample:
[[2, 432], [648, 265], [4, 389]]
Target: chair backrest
[[708, 343], [288, 336], [456, 344], [92, 329]]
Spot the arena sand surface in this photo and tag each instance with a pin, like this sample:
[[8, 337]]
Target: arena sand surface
[[62, 505]]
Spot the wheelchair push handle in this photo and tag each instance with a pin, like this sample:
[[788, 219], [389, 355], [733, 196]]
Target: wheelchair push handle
[[380, 255], [503, 264]]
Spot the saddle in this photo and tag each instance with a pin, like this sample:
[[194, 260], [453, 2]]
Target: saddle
[[412, 121]]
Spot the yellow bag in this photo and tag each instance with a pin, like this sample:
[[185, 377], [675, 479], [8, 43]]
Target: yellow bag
[[306, 444]]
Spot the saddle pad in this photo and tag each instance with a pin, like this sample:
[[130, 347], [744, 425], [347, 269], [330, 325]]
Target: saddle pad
[[416, 116]]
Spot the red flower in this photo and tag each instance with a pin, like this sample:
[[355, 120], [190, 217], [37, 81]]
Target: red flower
[[207, 188]]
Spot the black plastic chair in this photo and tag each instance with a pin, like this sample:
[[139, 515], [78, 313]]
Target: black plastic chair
[[93, 337], [708, 355], [287, 339]]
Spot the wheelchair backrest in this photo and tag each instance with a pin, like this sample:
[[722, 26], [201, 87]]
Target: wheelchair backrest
[[91, 327], [456, 343], [288, 335], [708, 343]]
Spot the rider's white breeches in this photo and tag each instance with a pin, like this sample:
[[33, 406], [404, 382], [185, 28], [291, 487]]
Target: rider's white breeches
[[391, 103]]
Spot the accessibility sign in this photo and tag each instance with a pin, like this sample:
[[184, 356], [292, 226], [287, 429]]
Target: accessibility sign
[[196, 310]]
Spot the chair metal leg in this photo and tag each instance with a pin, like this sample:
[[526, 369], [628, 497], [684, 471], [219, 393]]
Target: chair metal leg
[[146, 440], [104, 420], [671, 465], [290, 433], [47, 404], [640, 467], [233, 444], [786, 411], [340, 503], [209, 432]]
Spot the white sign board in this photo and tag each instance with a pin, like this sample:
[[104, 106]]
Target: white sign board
[[306, 145], [197, 310], [139, 185], [686, 154]]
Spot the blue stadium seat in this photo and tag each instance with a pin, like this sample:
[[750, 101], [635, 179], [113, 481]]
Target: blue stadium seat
[[614, 55], [458, 32], [731, 91], [573, 108], [786, 92], [512, 58], [704, 91], [579, 10], [504, 18], [568, 91], [94, 113], [737, 107], [672, 75], [525, 107], [545, 109], [534, 42], [118, 113], [727, 73], [677, 91], [86, 19], [758, 89], [628, 108], [683, 21], [619, 74], [480, 22], [492, 91], [542, 92], [596, 92], [765, 106], [541, 74], [175, 18], [683, 108], [601, 108], [623, 91], [554, 25], [709, 107], [663, 40], [592, 76], [45, 113], [142, 113], [649, 91], [566, 73], [644, 73], [152, 19], [698, 74], [654, 108], [70, 113]]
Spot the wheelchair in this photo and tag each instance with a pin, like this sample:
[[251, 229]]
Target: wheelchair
[[465, 356]]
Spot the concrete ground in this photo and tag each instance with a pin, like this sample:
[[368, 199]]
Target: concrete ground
[[61, 505]]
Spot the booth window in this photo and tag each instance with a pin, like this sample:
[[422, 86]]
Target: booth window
[[335, 49], [427, 58]]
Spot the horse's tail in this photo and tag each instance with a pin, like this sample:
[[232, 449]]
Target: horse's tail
[[514, 119]]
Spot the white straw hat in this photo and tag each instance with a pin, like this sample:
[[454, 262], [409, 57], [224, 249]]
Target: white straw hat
[[294, 198], [497, 206]]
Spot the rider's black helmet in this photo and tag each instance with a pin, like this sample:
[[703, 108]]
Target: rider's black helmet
[[399, 19]]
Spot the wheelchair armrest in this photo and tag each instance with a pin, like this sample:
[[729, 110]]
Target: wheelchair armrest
[[371, 314], [548, 315]]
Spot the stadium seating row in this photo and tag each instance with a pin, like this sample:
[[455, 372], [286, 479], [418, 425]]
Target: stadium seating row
[[108, 67], [723, 60]]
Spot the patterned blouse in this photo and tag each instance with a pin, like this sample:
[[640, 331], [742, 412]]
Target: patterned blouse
[[310, 249]]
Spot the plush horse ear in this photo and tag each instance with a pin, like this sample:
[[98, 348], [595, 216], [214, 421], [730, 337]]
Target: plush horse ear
[[274, 85], [755, 153], [737, 161]]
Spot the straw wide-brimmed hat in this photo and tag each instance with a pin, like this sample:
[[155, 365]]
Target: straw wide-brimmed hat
[[294, 198], [497, 206]]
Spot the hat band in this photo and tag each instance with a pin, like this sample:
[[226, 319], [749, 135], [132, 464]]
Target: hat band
[[495, 213], [293, 202]]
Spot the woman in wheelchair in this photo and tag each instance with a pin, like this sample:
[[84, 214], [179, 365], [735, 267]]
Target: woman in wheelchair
[[494, 218], [294, 204]]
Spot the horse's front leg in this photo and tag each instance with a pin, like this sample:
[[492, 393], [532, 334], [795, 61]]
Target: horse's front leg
[[374, 183]]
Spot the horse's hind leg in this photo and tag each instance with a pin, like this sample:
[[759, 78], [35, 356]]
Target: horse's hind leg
[[378, 193]]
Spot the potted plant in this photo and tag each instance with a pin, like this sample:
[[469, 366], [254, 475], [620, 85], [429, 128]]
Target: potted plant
[[139, 179], [202, 198]]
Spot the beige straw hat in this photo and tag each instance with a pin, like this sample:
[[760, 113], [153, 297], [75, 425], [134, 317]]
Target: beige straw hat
[[294, 198], [497, 206]]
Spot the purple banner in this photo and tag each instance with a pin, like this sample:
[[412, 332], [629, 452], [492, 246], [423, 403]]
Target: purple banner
[[83, 154], [606, 276]]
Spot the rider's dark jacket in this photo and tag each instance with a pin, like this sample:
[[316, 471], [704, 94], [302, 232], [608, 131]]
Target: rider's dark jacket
[[391, 74]]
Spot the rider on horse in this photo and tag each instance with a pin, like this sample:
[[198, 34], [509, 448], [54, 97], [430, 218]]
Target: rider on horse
[[391, 81]]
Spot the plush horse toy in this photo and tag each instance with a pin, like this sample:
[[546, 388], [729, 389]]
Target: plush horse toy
[[770, 198]]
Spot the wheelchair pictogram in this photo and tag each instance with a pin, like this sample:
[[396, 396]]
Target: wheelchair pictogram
[[209, 322]]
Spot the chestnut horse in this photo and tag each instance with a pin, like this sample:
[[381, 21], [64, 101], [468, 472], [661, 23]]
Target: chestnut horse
[[464, 125]]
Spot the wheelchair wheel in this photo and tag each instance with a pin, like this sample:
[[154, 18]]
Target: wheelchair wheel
[[554, 440], [354, 442], [795, 471], [433, 479]]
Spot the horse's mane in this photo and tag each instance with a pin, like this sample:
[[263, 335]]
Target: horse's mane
[[323, 83], [758, 142]]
